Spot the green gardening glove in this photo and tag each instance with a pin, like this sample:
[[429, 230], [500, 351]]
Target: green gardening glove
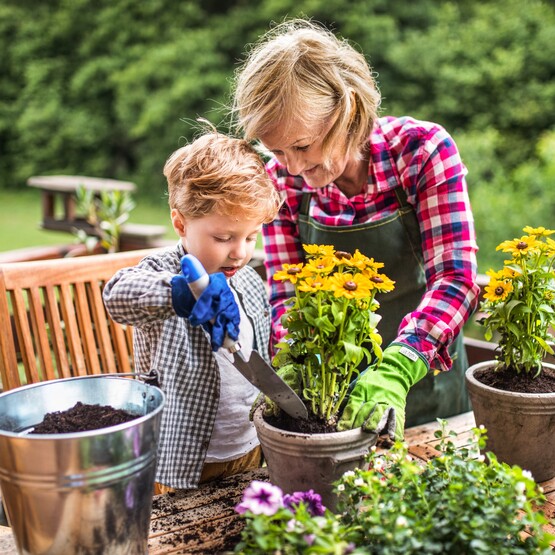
[[378, 400]]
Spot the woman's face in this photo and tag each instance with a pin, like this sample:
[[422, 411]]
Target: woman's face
[[299, 148]]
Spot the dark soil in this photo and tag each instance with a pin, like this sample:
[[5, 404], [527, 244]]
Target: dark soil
[[312, 425], [518, 383], [82, 418]]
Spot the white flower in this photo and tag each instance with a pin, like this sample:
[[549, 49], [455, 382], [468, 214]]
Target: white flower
[[401, 522], [359, 482], [348, 474], [527, 474], [520, 487], [378, 464], [341, 487], [480, 458]]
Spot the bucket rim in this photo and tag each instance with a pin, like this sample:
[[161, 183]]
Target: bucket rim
[[88, 433]]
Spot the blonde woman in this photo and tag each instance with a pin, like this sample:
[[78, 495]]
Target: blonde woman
[[393, 187]]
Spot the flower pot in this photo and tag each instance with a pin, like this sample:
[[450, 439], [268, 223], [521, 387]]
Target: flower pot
[[520, 426], [83, 492], [300, 462]]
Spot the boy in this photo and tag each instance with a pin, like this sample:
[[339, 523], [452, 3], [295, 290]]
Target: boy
[[219, 196]]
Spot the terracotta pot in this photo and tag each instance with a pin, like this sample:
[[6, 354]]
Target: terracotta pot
[[300, 462], [520, 426]]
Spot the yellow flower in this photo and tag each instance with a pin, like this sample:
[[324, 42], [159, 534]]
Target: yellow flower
[[318, 250], [323, 265], [350, 286], [290, 272], [519, 247], [311, 284], [550, 247], [497, 290], [538, 231], [380, 281]]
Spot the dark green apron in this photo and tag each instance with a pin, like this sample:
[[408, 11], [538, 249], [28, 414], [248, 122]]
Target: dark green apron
[[395, 241]]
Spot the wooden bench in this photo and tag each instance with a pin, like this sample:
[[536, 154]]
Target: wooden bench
[[53, 320]]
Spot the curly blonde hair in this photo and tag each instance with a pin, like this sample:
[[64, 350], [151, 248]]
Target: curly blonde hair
[[218, 174], [300, 71]]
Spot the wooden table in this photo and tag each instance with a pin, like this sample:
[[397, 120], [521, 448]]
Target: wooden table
[[62, 189], [204, 520], [59, 208]]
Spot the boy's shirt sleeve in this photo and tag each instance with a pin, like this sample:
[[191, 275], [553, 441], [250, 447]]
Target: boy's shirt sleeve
[[140, 295]]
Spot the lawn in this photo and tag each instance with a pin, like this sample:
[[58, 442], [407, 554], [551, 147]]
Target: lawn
[[20, 216]]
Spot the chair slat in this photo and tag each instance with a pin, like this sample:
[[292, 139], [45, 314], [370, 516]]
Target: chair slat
[[8, 358], [84, 321], [59, 345], [100, 320], [40, 333], [24, 336], [120, 347], [78, 364]]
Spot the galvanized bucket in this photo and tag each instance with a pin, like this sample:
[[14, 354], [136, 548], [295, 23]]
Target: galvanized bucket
[[86, 492]]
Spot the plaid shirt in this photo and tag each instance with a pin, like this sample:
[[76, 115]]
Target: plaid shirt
[[189, 376], [432, 175]]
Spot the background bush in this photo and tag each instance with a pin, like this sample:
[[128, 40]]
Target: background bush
[[110, 88]]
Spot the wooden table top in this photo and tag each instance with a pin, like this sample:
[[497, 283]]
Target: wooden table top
[[204, 521], [70, 183]]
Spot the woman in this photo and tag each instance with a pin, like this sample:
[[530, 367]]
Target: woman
[[393, 187]]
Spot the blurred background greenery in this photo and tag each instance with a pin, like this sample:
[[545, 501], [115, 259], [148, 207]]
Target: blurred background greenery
[[109, 88]]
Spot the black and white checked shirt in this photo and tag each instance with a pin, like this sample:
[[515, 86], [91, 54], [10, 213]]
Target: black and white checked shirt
[[181, 354]]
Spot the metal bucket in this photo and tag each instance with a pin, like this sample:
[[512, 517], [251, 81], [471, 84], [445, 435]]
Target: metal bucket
[[79, 493]]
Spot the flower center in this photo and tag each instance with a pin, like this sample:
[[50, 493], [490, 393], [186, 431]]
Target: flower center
[[350, 286], [521, 245], [499, 291], [376, 279], [343, 254], [293, 271]]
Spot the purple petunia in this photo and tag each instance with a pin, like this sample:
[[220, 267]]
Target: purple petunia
[[312, 500], [261, 498]]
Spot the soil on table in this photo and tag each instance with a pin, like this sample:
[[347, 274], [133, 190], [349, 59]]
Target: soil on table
[[82, 418], [518, 383]]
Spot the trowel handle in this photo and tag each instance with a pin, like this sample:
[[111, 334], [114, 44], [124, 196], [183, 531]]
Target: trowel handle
[[198, 280]]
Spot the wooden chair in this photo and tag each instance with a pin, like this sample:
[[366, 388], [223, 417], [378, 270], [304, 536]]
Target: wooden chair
[[53, 323]]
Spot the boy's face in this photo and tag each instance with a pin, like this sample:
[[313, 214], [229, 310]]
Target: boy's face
[[221, 243]]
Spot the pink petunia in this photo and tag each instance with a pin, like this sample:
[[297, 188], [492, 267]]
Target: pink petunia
[[261, 498]]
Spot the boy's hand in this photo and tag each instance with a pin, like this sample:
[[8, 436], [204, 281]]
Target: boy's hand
[[378, 400], [215, 309]]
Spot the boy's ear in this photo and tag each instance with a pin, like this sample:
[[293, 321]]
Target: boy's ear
[[178, 222]]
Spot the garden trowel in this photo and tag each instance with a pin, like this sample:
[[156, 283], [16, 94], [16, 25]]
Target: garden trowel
[[255, 369]]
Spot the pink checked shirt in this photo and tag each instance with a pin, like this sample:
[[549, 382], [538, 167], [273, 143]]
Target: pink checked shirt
[[433, 176]]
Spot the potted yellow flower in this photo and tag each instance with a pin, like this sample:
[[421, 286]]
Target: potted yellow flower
[[332, 333], [514, 395]]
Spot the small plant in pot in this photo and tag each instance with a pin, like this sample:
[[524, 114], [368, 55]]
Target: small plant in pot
[[514, 395], [331, 325], [455, 503]]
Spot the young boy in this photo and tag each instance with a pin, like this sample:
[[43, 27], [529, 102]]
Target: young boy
[[219, 196]]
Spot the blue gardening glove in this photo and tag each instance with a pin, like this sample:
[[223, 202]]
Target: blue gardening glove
[[379, 397], [215, 309]]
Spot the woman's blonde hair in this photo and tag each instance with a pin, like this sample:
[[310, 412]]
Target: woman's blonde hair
[[217, 174], [299, 71]]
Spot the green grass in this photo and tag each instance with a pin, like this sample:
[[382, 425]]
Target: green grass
[[20, 217]]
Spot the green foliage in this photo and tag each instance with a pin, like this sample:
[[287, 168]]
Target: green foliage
[[455, 503], [519, 302], [106, 213]]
